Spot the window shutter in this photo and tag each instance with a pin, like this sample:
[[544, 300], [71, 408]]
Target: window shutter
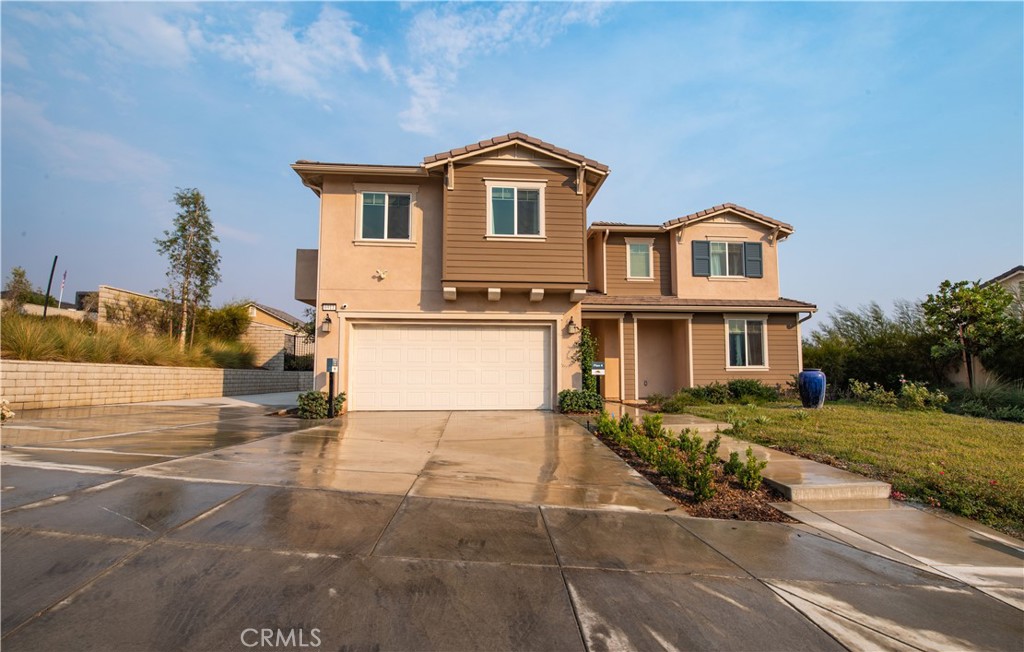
[[701, 258], [752, 260]]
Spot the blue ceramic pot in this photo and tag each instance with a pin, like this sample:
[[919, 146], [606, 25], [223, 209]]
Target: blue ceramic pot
[[812, 388]]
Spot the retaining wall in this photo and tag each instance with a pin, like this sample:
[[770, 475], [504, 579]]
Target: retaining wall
[[29, 385]]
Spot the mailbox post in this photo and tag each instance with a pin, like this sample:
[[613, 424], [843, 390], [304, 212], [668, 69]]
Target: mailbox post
[[332, 368], [597, 369]]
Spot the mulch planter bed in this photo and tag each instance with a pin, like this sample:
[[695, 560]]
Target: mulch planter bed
[[729, 502]]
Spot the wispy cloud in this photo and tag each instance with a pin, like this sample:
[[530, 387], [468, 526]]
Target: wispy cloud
[[449, 37], [141, 32], [13, 54], [241, 235], [296, 60], [152, 34], [78, 153]]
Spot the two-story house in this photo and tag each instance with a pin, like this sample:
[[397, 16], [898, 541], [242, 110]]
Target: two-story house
[[463, 282]]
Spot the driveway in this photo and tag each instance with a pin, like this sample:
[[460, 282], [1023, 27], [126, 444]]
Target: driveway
[[220, 528]]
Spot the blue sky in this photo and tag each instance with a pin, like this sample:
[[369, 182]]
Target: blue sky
[[890, 135]]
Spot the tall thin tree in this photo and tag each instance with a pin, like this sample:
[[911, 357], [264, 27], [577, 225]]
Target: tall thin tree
[[193, 265]]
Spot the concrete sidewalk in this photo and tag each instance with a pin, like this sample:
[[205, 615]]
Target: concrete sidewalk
[[160, 527]]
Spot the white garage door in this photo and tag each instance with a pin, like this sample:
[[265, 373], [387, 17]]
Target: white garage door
[[447, 367]]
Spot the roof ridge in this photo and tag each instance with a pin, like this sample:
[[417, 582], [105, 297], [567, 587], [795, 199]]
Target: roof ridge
[[512, 136], [726, 206]]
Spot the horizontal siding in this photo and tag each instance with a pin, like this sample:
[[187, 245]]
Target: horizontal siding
[[709, 351], [617, 271], [469, 256]]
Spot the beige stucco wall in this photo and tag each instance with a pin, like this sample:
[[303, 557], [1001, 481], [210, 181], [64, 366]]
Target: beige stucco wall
[[729, 228], [656, 371], [606, 332]]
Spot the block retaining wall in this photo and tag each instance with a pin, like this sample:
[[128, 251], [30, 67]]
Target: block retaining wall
[[30, 385]]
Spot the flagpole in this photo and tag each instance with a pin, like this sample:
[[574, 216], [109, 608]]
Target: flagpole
[[62, 280]]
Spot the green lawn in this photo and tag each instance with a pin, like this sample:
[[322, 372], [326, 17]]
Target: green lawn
[[973, 467]]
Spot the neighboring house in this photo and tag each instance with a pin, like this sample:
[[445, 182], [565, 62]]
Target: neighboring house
[[272, 333], [462, 282]]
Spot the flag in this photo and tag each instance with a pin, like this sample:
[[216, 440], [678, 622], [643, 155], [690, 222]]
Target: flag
[[64, 278]]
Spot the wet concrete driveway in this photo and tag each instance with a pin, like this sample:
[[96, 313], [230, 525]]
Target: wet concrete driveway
[[158, 528]]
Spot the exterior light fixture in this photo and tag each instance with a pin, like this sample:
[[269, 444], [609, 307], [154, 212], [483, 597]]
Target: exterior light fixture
[[571, 327], [325, 325]]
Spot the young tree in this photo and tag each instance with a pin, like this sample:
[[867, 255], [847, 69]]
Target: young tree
[[19, 289], [193, 265], [967, 317]]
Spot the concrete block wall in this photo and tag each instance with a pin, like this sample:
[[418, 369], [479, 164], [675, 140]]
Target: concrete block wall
[[115, 298], [30, 385], [269, 344]]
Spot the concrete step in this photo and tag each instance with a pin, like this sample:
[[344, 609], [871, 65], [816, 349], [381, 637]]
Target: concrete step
[[800, 480]]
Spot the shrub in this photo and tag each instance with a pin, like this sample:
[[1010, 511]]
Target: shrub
[[579, 401], [916, 396], [230, 355], [652, 426], [991, 400], [701, 477], [25, 338], [732, 467], [715, 393], [227, 323], [294, 362], [313, 405], [912, 396], [627, 426], [6, 413], [873, 394], [749, 474], [748, 390]]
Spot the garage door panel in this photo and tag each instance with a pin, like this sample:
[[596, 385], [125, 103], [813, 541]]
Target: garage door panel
[[470, 367]]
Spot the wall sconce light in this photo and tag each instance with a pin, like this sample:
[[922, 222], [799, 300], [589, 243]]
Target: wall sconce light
[[571, 327], [325, 325]]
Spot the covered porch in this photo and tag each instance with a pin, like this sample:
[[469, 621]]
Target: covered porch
[[644, 354]]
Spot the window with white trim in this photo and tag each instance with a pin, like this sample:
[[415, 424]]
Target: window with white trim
[[385, 216], [640, 258], [515, 209], [747, 342]]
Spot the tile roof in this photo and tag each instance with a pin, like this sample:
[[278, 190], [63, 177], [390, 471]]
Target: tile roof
[[1008, 273], [508, 138], [721, 207], [596, 299]]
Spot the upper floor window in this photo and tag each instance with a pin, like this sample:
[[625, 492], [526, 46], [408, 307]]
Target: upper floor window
[[385, 216], [639, 258], [747, 345], [727, 259], [515, 208]]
